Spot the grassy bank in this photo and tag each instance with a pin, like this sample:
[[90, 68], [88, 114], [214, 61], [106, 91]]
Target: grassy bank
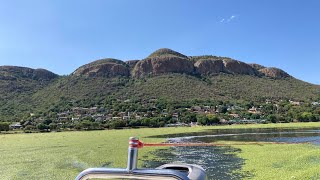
[[63, 155], [281, 161]]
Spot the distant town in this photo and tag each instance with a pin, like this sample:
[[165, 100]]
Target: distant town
[[155, 114]]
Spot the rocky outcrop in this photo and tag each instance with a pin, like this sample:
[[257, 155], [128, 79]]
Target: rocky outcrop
[[132, 63], [257, 66], [162, 65], [166, 60], [163, 61], [238, 67], [209, 66], [103, 68], [166, 52], [274, 73], [14, 72]]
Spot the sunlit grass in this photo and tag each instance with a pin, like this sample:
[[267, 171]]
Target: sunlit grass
[[63, 155], [278, 161]]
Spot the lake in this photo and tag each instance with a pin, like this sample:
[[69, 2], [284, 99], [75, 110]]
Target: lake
[[221, 162]]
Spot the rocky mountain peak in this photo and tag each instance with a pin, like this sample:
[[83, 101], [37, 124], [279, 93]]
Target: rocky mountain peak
[[104, 68], [165, 60], [166, 52]]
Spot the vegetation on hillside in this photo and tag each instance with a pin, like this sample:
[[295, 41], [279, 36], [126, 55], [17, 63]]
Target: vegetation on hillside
[[17, 84], [170, 85], [163, 100]]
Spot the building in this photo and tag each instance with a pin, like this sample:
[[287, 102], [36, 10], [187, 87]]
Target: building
[[295, 103], [16, 125]]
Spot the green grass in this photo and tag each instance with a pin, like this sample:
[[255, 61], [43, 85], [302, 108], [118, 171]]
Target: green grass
[[281, 161], [63, 155]]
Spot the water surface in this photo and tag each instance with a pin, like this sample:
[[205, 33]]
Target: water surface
[[221, 162]]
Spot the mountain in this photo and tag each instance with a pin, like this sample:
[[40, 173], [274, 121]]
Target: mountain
[[17, 85], [165, 61], [164, 74], [105, 68]]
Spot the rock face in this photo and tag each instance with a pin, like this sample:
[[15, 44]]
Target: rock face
[[274, 73], [257, 66], [166, 60], [162, 65], [132, 63], [14, 72], [238, 67], [209, 66], [163, 61], [104, 68]]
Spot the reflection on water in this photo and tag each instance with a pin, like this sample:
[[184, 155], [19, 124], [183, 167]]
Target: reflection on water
[[221, 162], [265, 134]]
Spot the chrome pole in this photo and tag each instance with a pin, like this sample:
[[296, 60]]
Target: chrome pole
[[132, 154]]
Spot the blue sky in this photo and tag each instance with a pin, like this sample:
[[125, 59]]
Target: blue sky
[[61, 35]]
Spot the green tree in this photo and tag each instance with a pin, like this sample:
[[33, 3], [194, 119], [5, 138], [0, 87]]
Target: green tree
[[117, 124], [95, 125], [47, 121], [222, 109], [4, 126], [53, 126], [42, 127], [134, 123], [272, 118], [307, 116], [212, 119], [189, 117], [202, 120], [86, 124], [29, 127]]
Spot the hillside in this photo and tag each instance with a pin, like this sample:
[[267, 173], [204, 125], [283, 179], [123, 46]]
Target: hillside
[[173, 87], [164, 74], [17, 84]]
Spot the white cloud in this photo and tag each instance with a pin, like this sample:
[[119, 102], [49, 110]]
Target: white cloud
[[226, 20], [231, 18]]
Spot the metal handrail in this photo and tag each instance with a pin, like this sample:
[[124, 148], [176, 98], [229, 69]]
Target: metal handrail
[[146, 174], [132, 172]]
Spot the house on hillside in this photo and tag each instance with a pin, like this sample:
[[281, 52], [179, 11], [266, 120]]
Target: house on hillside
[[63, 118], [93, 110], [75, 119], [15, 125], [116, 118], [196, 108], [126, 117], [268, 101], [254, 110], [234, 115], [175, 116], [295, 103]]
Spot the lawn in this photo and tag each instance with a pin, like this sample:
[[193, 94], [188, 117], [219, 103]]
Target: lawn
[[63, 155]]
